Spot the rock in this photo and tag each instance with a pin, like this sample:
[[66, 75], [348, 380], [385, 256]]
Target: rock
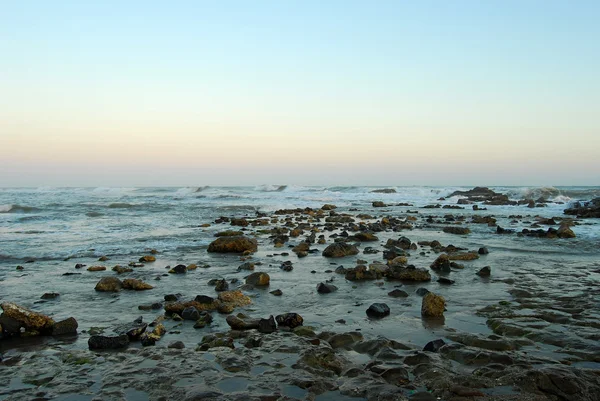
[[328, 207], [384, 191], [290, 320], [233, 244], [323, 288], [246, 266], [172, 297], [324, 359], [378, 310], [398, 294], [147, 259], [204, 320], [106, 342], [79, 266], [396, 375], [176, 345], [179, 269], [67, 326], [442, 263], [432, 305], [589, 209], [50, 295], [483, 251], [457, 230], [149, 307], [485, 271], [238, 323], [190, 313], [136, 285], [277, 293], [191, 266], [96, 268], [463, 256], [422, 291], [121, 269], [267, 325], [234, 298], [409, 274], [340, 249], [212, 341], [565, 232], [109, 284], [221, 285], [434, 346], [445, 280], [379, 204], [365, 237], [258, 279], [33, 322]]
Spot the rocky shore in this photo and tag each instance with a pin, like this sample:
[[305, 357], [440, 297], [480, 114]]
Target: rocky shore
[[400, 271]]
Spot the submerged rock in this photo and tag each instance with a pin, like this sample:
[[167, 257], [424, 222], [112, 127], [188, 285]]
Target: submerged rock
[[233, 244], [457, 230], [485, 271]]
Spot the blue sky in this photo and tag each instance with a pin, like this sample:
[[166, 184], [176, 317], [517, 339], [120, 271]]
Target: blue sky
[[236, 92]]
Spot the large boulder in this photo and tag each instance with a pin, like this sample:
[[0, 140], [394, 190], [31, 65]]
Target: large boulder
[[433, 305], [233, 244], [409, 273], [33, 322], [109, 284], [340, 249]]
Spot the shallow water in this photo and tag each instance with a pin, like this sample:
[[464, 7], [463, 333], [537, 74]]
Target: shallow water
[[54, 228]]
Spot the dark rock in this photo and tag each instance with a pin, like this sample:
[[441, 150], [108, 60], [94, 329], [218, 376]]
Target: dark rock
[[398, 294], [50, 295], [379, 204], [204, 299], [589, 209], [323, 288], [221, 285], [442, 263], [445, 280], [457, 230], [422, 291], [172, 297], [434, 346], [67, 326], [267, 325], [176, 345], [238, 323], [190, 313], [290, 320], [109, 284], [179, 269], [277, 293], [79, 266], [105, 342], [485, 271], [378, 310], [483, 251]]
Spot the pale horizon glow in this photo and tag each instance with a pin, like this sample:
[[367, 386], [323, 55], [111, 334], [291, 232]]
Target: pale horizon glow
[[299, 93]]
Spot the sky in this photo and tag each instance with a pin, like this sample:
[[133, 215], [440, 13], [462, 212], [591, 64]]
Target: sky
[[153, 93]]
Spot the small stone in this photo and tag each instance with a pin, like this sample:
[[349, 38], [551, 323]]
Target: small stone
[[50, 295], [483, 251], [277, 293], [485, 271], [422, 291], [190, 313], [378, 310], [445, 280], [176, 345], [323, 288], [433, 305], [179, 269]]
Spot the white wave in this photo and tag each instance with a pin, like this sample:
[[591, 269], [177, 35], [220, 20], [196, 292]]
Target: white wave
[[113, 190], [270, 188], [5, 208]]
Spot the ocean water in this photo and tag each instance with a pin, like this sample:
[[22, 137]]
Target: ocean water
[[58, 223], [49, 230]]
